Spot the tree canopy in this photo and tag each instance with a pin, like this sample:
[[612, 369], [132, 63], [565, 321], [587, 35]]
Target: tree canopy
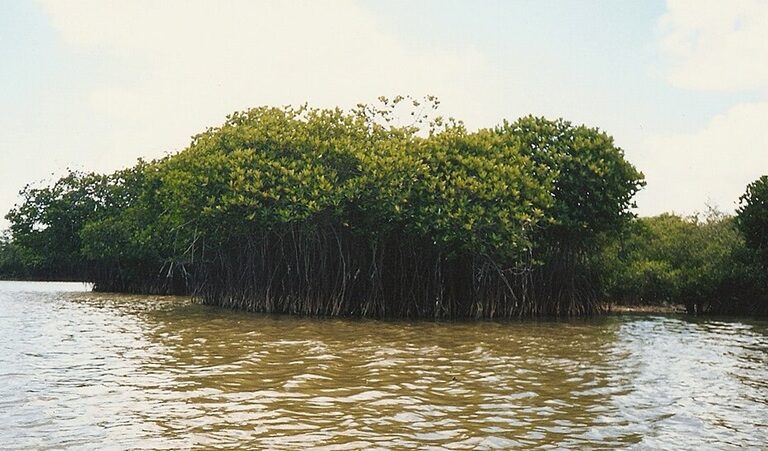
[[325, 211], [752, 217]]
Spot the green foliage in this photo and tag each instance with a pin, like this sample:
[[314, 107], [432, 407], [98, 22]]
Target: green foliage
[[702, 263], [752, 217], [473, 193], [331, 212], [752, 221], [12, 260], [46, 226], [591, 187], [592, 183]]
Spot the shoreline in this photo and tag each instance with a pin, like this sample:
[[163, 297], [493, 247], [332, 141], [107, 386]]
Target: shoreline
[[645, 308]]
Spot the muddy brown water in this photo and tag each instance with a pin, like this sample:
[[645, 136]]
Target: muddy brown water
[[81, 370]]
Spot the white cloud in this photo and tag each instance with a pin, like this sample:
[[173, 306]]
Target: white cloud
[[154, 73], [712, 165], [715, 44], [190, 63], [710, 45]]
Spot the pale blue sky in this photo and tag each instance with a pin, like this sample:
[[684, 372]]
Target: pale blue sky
[[682, 85], [605, 50]]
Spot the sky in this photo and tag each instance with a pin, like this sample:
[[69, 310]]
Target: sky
[[681, 85]]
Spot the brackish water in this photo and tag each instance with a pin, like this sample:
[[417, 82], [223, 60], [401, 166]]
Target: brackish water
[[103, 371]]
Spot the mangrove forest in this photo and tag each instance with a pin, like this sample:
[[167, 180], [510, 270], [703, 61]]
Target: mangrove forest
[[360, 213]]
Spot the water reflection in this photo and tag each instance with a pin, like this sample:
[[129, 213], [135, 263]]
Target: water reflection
[[82, 369]]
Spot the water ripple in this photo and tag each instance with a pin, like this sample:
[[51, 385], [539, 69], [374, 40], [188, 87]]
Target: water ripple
[[83, 370]]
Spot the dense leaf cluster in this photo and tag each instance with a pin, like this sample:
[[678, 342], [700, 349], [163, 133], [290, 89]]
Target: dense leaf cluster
[[709, 264], [322, 211], [752, 217]]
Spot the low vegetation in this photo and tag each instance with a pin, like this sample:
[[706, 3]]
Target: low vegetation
[[702, 262]]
